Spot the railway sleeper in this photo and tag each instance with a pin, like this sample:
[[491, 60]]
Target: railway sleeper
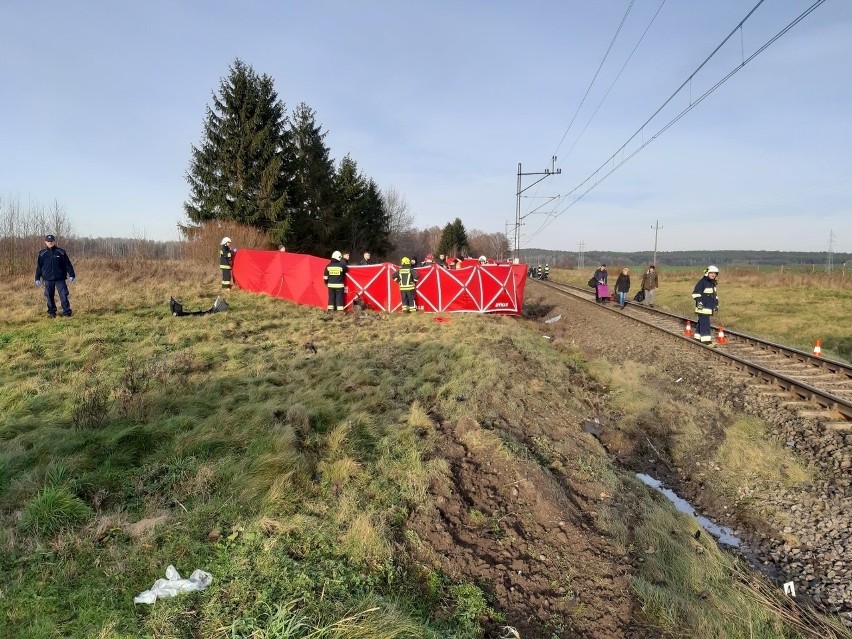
[[839, 426]]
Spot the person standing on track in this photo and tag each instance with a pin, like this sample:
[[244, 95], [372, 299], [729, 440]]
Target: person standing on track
[[601, 288], [706, 303], [650, 282], [622, 286]]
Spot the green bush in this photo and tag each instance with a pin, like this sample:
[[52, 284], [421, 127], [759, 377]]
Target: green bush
[[53, 509]]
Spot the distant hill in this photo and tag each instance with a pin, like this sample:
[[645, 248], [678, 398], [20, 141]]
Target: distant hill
[[568, 259]]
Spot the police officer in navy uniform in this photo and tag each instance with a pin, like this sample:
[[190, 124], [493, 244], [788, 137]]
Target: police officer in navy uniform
[[406, 277], [53, 266], [226, 261], [335, 279], [706, 300]]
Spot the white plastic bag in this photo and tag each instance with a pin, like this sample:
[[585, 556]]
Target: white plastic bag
[[173, 585]]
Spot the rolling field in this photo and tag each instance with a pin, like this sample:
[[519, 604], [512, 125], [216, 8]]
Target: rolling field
[[362, 476]]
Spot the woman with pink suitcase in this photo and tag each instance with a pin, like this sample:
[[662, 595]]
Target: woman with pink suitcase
[[601, 288]]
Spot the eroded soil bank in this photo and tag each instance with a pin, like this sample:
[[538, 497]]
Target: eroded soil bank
[[519, 509]]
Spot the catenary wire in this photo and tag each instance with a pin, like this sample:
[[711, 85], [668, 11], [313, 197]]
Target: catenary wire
[[591, 84], [624, 66], [674, 120], [600, 66]]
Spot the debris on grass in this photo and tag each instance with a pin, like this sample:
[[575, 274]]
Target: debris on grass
[[173, 585]]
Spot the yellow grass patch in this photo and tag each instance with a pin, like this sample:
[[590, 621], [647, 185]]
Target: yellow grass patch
[[747, 454]]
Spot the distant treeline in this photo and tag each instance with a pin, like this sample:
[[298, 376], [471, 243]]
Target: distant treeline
[[591, 259]]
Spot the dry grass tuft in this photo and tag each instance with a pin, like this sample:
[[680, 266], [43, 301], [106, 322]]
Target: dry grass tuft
[[747, 454], [365, 540], [336, 475], [482, 441], [335, 441], [144, 528]]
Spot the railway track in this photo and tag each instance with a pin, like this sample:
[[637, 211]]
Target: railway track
[[814, 387]]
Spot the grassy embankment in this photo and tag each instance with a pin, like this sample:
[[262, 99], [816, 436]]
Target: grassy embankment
[[131, 440], [790, 306]]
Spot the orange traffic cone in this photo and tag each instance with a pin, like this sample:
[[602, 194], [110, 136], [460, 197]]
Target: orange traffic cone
[[721, 338], [818, 348], [688, 330]]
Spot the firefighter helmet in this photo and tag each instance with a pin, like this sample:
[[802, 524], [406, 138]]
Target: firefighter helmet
[[712, 269], [483, 259], [226, 240], [405, 261], [336, 255]]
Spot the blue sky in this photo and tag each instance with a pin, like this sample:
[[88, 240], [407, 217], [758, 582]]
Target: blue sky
[[441, 101]]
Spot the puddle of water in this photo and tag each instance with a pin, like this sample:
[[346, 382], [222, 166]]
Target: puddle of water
[[722, 534]]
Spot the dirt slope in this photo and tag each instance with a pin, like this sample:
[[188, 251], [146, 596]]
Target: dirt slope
[[523, 526]]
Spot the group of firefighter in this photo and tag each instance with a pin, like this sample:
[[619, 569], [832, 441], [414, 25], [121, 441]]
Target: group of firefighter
[[539, 272], [704, 294], [334, 275]]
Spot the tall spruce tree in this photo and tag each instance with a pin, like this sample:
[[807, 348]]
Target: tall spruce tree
[[239, 170], [378, 221], [312, 185], [362, 222], [453, 239]]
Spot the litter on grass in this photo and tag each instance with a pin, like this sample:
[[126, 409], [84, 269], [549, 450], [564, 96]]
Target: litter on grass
[[553, 320], [173, 585]]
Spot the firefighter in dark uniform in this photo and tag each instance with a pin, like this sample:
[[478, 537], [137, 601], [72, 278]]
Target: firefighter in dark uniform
[[406, 277], [53, 266], [538, 271], [335, 279], [546, 272], [706, 303], [226, 261]]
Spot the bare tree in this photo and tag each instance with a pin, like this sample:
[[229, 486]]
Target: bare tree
[[493, 245], [22, 232], [58, 222], [401, 219]]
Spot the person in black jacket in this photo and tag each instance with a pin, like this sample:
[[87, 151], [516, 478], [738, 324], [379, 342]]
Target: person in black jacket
[[622, 286], [335, 279], [53, 266], [406, 277], [600, 277], [706, 298], [226, 261]]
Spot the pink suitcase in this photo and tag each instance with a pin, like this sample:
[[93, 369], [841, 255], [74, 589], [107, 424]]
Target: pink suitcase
[[603, 291]]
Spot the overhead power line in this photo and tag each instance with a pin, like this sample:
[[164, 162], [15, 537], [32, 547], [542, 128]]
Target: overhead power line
[[618, 75], [595, 77], [596, 177]]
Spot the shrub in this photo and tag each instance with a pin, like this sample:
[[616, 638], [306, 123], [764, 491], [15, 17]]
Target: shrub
[[53, 509], [91, 407]]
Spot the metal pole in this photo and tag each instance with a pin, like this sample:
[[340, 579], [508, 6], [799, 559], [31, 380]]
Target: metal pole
[[518, 215], [656, 228], [546, 173]]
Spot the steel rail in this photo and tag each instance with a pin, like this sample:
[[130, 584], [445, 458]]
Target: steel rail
[[802, 389]]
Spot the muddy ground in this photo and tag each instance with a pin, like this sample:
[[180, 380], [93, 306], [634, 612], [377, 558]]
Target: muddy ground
[[524, 526]]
